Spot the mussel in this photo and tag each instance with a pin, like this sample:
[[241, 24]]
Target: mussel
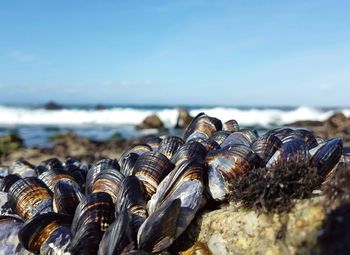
[[66, 197], [30, 196], [46, 234], [170, 145], [151, 168], [231, 126], [225, 164], [202, 127]]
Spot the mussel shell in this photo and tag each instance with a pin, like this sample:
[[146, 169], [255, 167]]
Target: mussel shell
[[266, 146], [9, 228], [185, 183], [152, 140], [58, 241], [235, 138], [52, 163], [66, 197], [327, 156], [138, 149], [159, 230], [86, 240], [39, 229], [202, 126], [23, 168], [30, 196], [220, 136], [170, 145], [151, 168], [189, 150], [108, 181], [128, 163], [231, 126], [306, 135], [132, 197], [225, 164], [8, 181], [52, 176], [100, 166], [95, 207], [117, 237], [295, 148], [279, 132]]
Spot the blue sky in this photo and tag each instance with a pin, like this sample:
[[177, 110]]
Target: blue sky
[[175, 52]]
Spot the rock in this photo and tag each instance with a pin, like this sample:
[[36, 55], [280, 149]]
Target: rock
[[306, 123], [53, 106], [152, 121], [100, 107], [337, 121], [10, 143], [184, 118], [235, 230]]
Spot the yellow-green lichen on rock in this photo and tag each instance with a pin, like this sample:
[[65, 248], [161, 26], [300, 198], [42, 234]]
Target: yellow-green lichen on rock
[[236, 230]]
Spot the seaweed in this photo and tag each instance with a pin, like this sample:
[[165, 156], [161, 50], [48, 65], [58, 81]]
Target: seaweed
[[273, 189]]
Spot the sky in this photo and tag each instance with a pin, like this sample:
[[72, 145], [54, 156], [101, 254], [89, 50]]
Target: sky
[[236, 52]]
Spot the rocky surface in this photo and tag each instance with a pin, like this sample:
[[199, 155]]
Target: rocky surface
[[152, 121], [69, 145], [235, 230]]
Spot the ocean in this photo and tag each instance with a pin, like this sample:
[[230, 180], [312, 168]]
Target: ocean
[[35, 124]]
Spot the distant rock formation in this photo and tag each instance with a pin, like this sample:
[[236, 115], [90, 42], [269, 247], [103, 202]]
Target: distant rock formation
[[152, 121], [184, 118], [51, 105]]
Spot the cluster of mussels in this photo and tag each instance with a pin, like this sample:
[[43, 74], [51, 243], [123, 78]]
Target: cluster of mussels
[[142, 203]]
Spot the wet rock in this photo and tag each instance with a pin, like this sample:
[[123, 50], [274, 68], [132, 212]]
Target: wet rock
[[338, 122], [184, 118], [53, 106], [306, 123], [100, 107], [152, 121], [235, 230]]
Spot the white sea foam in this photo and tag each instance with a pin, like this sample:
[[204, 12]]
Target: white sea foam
[[127, 116]]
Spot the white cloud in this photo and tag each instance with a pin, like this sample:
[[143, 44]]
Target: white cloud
[[22, 56]]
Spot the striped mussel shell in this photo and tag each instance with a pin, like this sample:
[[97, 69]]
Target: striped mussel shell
[[279, 132], [51, 163], [66, 197], [235, 138], [202, 126], [128, 163], [327, 155], [30, 196], [98, 167], [52, 176], [231, 126], [92, 217], [118, 236], [293, 149], [77, 170], [152, 140], [46, 233], [266, 146], [151, 168], [23, 168], [8, 181], [220, 136], [169, 145], [10, 225], [138, 149], [187, 151], [132, 197], [225, 164], [306, 135], [159, 230], [185, 182], [108, 181]]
